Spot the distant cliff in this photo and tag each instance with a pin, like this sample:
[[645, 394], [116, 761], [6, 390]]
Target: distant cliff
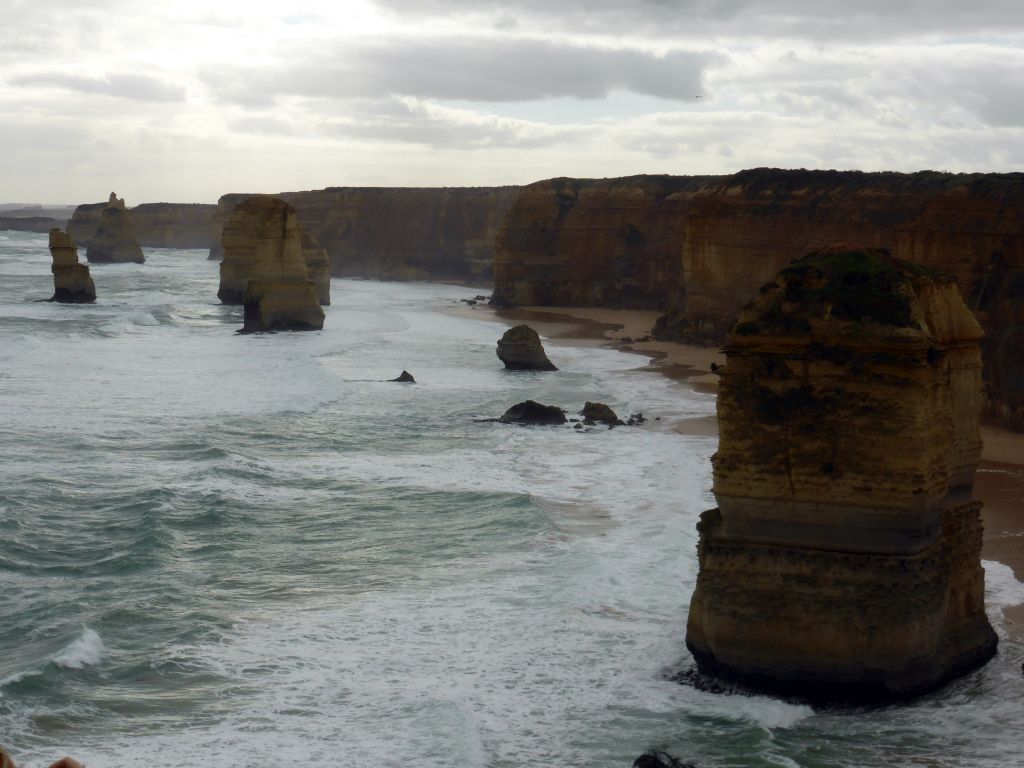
[[699, 247], [398, 233], [29, 223], [158, 225]]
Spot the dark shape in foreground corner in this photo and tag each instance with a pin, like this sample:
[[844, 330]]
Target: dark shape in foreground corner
[[520, 349], [658, 759], [846, 540], [404, 378]]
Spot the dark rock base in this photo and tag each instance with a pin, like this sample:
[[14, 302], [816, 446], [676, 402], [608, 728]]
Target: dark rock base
[[64, 296]]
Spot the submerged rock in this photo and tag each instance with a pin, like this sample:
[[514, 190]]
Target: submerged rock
[[532, 412], [115, 240], [520, 350], [72, 283], [658, 759], [843, 560], [405, 378], [264, 267], [594, 413]]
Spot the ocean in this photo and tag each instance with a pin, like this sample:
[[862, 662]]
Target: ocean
[[225, 550]]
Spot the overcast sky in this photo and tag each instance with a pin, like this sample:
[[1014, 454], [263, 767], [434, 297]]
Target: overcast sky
[[177, 102]]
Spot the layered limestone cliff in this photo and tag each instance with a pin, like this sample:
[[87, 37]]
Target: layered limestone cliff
[[71, 281], [698, 247], [843, 560], [157, 225], [264, 268], [587, 242], [115, 241], [441, 234]]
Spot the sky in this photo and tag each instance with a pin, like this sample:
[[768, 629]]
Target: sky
[[185, 100]]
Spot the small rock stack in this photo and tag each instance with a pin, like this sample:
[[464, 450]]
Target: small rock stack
[[844, 559], [71, 281], [264, 269], [520, 350], [115, 240]]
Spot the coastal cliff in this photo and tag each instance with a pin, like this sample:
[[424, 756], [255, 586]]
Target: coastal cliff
[[115, 241], [157, 225], [846, 540], [441, 234], [697, 248]]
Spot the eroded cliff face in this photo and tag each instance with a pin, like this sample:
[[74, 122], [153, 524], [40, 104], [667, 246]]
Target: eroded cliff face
[[697, 248], [595, 242], [157, 225], [843, 560], [441, 234]]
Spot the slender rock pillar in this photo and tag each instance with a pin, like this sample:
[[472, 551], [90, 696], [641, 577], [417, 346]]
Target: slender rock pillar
[[71, 281]]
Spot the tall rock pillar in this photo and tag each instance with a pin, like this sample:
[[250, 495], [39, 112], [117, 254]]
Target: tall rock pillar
[[115, 240], [265, 270], [71, 281], [844, 559]]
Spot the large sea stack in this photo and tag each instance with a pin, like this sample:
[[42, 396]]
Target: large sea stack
[[264, 269], [843, 560], [71, 281], [520, 349], [115, 240]]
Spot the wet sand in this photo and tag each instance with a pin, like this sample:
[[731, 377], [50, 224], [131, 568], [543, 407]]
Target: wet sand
[[999, 482]]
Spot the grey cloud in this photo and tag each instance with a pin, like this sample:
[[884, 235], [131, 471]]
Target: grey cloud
[[135, 87], [827, 19], [471, 70]]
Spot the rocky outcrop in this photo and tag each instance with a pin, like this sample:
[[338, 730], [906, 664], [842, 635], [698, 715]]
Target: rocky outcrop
[[71, 281], [520, 349], [157, 225], [115, 241], [843, 560], [698, 247], [599, 413], [318, 266], [264, 269], [441, 234], [532, 412], [404, 378]]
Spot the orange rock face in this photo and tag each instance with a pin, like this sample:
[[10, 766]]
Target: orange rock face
[[444, 234], [699, 247], [71, 281], [843, 560], [115, 240]]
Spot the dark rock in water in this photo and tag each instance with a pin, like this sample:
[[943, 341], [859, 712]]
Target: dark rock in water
[[71, 281], [481, 297], [599, 412], [520, 350], [471, 302], [657, 759], [532, 412], [115, 241], [405, 377], [635, 418]]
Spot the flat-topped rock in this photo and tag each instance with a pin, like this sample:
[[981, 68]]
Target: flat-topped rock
[[520, 349], [72, 283], [844, 558], [115, 240]]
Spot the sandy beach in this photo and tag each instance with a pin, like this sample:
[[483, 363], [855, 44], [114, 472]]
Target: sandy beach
[[999, 482]]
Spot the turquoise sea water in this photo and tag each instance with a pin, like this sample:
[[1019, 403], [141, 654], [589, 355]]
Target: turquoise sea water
[[237, 551]]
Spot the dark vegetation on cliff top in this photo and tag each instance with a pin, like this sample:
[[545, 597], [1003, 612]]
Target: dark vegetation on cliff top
[[855, 285]]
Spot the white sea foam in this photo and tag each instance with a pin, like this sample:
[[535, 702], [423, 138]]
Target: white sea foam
[[87, 650]]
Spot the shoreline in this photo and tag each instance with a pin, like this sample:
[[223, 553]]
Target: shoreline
[[999, 481]]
